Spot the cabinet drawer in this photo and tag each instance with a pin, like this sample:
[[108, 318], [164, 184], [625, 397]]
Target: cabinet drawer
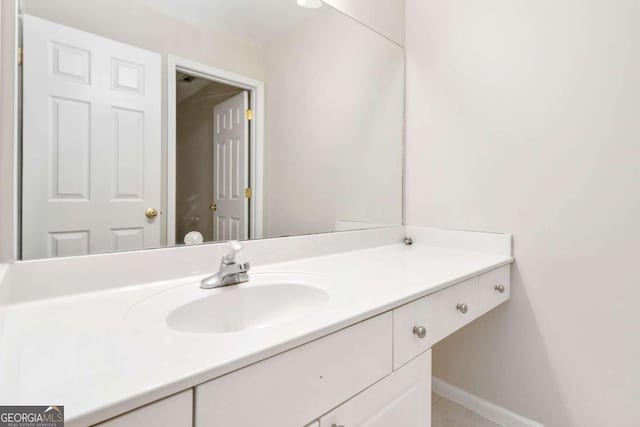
[[494, 287], [173, 411], [400, 399], [438, 313], [293, 388]]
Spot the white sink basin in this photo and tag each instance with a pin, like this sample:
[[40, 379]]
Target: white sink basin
[[268, 299], [234, 309]]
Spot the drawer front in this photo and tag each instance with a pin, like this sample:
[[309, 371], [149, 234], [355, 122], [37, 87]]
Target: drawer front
[[439, 313], [495, 287], [454, 307], [408, 343], [401, 399], [293, 388], [173, 411]]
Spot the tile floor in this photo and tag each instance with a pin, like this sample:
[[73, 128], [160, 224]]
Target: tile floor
[[445, 413]]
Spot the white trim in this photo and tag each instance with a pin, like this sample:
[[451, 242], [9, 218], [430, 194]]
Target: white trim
[[256, 87], [170, 209], [17, 136], [9, 130], [484, 408]]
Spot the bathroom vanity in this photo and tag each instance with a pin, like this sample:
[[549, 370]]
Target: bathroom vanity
[[143, 133], [334, 340]]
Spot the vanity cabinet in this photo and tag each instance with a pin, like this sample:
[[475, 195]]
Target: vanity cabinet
[[295, 387], [494, 288], [401, 399], [422, 323], [172, 411], [375, 373]]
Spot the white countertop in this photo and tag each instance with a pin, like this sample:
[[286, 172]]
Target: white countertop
[[86, 353]]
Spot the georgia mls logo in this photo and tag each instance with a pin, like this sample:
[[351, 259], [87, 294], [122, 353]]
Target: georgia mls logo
[[32, 416]]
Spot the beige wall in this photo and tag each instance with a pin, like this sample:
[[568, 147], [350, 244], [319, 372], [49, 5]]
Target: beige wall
[[333, 128], [523, 117]]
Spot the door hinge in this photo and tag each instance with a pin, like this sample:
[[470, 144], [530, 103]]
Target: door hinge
[[20, 55], [248, 114], [248, 193]]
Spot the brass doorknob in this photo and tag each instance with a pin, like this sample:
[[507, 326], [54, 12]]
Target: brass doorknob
[[151, 213], [213, 207]]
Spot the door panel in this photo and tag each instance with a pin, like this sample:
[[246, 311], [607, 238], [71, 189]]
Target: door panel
[[91, 152], [231, 160], [70, 147]]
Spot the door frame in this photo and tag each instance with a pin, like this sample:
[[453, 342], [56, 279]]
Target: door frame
[[256, 139]]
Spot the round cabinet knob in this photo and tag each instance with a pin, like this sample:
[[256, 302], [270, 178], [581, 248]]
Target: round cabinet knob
[[420, 331], [151, 213], [462, 308], [499, 288]]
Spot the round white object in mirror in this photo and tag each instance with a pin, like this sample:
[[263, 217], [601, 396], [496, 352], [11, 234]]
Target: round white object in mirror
[[193, 238]]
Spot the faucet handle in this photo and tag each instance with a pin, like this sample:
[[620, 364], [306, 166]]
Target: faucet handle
[[231, 250]]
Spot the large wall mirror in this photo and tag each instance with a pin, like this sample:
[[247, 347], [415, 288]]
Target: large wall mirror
[[151, 123]]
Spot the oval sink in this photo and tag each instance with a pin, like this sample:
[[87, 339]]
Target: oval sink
[[235, 309]]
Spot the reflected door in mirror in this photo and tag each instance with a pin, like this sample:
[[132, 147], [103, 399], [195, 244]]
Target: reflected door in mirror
[[91, 143], [231, 160]]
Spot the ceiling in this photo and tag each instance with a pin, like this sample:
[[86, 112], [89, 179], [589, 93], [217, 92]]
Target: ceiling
[[186, 89], [206, 89], [257, 21]]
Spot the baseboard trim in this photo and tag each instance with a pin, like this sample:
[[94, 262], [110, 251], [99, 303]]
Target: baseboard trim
[[484, 408]]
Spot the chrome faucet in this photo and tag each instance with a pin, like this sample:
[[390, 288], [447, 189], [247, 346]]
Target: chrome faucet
[[230, 272]]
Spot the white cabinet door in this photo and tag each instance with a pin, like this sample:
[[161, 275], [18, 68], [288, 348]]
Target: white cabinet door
[[91, 143], [173, 411], [295, 387], [401, 399]]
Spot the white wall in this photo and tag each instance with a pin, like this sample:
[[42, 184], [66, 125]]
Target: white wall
[[523, 116], [334, 127], [384, 16]]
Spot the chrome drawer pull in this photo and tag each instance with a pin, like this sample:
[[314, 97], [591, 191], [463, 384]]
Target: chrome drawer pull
[[499, 288], [462, 308], [420, 331]]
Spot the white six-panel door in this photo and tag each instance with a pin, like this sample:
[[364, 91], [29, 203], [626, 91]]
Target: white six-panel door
[[231, 166], [91, 143]]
